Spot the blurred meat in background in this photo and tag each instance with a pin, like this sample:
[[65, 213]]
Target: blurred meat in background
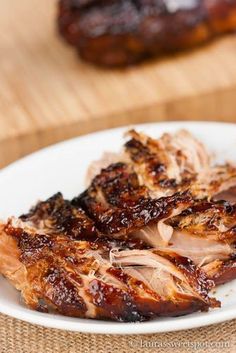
[[123, 32]]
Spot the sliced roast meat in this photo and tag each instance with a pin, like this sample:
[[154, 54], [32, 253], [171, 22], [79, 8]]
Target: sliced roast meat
[[77, 278]]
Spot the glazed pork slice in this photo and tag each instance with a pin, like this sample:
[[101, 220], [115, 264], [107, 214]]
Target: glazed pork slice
[[97, 280], [172, 163], [59, 216], [176, 163], [169, 164], [165, 165], [119, 205], [56, 215]]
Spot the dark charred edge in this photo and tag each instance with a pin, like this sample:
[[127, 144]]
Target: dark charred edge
[[118, 33], [155, 169], [62, 217], [119, 185], [122, 221], [44, 208], [125, 204], [223, 207]]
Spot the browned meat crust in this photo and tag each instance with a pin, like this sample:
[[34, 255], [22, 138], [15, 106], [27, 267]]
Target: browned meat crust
[[162, 167], [57, 215], [76, 278], [119, 205], [122, 32]]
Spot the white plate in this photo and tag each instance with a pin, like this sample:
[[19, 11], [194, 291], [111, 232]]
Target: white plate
[[62, 167]]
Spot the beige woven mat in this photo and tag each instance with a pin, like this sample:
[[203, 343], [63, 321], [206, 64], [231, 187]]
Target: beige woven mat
[[20, 337]]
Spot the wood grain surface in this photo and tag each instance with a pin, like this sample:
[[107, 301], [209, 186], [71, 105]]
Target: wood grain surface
[[47, 94]]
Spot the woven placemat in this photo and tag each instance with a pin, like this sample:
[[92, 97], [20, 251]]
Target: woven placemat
[[20, 337]]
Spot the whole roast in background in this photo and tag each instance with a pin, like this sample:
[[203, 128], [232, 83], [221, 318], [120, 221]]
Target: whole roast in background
[[123, 32]]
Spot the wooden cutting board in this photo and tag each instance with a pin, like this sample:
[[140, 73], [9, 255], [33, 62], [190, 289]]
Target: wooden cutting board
[[47, 94]]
